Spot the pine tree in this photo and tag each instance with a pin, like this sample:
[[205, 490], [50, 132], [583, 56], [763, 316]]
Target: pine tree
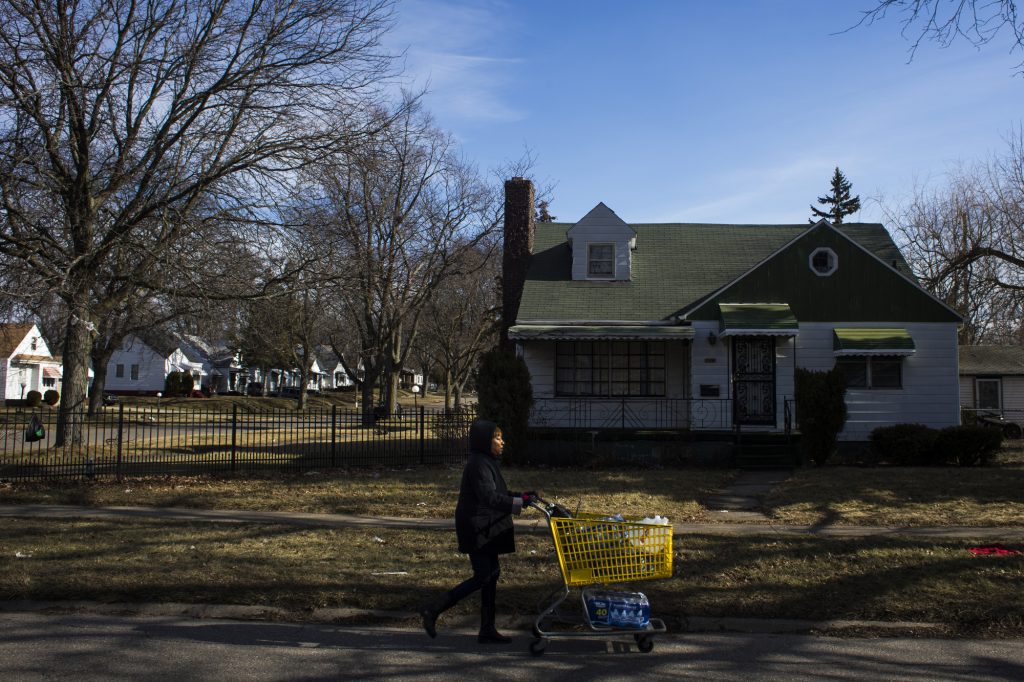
[[839, 202]]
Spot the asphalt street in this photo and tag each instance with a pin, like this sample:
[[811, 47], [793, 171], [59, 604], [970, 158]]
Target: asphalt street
[[77, 647]]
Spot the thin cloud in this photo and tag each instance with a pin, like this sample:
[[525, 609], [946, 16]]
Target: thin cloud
[[449, 50]]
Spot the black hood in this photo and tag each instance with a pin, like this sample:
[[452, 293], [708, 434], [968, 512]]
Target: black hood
[[480, 434]]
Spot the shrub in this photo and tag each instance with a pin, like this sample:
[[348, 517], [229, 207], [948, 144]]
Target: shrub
[[51, 397], [968, 445], [821, 412], [33, 398], [905, 444], [178, 384], [505, 396]]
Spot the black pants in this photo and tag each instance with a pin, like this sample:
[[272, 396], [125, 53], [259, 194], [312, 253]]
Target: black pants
[[486, 571]]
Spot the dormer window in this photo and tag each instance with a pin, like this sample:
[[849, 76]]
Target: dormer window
[[601, 260]]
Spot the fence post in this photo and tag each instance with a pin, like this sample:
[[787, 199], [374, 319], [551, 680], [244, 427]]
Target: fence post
[[334, 435], [423, 436], [120, 438], [234, 433], [623, 413]]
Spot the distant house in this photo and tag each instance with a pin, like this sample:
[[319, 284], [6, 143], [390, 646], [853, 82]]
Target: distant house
[[335, 376], [701, 326], [141, 365], [222, 366], [25, 362], [992, 380]]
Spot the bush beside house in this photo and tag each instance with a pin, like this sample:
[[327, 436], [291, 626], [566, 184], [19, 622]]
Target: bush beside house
[[919, 445], [820, 411], [505, 396]]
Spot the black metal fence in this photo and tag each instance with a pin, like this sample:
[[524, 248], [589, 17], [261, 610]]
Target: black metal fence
[[135, 441]]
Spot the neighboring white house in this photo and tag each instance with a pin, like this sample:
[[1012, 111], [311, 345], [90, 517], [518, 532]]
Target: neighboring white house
[[25, 362], [141, 365], [701, 327], [222, 366]]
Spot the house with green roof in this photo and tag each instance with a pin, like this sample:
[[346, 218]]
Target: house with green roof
[[701, 326]]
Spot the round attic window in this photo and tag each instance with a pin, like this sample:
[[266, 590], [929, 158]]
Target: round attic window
[[824, 262]]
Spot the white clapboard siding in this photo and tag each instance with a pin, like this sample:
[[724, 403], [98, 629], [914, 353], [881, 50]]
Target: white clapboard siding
[[931, 387]]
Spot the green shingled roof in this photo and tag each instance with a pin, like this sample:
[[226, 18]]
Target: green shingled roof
[[674, 265], [995, 360]]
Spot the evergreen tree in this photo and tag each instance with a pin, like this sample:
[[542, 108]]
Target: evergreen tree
[[543, 215], [838, 203]]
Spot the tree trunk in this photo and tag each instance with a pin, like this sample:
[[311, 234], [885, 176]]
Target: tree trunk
[[77, 344], [369, 381], [447, 390], [100, 362]]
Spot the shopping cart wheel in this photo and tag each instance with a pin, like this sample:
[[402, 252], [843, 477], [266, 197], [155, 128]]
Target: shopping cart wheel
[[645, 643], [538, 646]]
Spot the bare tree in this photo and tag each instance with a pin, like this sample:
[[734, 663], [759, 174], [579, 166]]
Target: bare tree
[[394, 216], [125, 116], [462, 321], [944, 22], [965, 241]]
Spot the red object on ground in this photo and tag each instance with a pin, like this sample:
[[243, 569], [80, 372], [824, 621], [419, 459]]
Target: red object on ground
[[993, 550]]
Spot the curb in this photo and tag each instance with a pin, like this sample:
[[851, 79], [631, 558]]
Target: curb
[[345, 617]]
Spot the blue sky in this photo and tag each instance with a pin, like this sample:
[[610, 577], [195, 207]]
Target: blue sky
[[730, 112]]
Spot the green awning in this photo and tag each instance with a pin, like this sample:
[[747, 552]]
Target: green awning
[[872, 341], [544, 332], [757, 319]]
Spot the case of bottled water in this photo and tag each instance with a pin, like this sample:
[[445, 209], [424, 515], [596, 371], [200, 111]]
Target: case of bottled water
[[606, 608]]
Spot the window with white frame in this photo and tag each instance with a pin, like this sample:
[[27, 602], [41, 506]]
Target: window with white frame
[[600, 260], [988, 393], [135, 372], [610, 368], [119, 371], [872, 372], [824, 262]]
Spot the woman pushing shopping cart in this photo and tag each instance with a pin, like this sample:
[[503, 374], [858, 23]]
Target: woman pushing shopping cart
[[595, 551]]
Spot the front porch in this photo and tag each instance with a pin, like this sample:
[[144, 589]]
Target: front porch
[[651, 414]]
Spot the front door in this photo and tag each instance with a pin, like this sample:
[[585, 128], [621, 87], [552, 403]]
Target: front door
[[753, 361]]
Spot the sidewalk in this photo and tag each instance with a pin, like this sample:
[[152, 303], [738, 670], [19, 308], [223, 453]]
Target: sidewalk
[[1003, 533]]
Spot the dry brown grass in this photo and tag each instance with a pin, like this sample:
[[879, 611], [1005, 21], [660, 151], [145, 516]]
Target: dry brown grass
[[296, 568], [905, 496], [408, 492]]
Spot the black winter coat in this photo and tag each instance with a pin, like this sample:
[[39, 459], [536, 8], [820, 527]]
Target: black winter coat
[[483, 515]]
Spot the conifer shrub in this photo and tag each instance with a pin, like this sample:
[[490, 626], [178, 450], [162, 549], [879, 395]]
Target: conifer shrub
[[33, 398], [820, 412], [51, 397], [505, 396]]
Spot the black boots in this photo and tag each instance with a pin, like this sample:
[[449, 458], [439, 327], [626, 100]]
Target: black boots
[[488, 633], [432, 610], [492, 636]]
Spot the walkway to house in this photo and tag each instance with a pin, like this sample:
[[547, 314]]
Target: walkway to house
[[741, 501]]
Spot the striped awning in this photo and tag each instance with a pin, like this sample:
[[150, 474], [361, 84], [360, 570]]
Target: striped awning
[[757, 319], [540, 332], [51, 372], [872, 341]]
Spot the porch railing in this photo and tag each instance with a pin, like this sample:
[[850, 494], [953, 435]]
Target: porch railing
[[633, 413]]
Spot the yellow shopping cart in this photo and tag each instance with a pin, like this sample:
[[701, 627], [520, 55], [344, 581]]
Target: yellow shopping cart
[[601, 550]]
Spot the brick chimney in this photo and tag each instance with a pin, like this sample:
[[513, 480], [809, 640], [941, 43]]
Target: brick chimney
[[517, 246]]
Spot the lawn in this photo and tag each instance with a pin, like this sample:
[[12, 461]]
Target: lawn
[[905, 496], [145, 560], [420, 492]]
